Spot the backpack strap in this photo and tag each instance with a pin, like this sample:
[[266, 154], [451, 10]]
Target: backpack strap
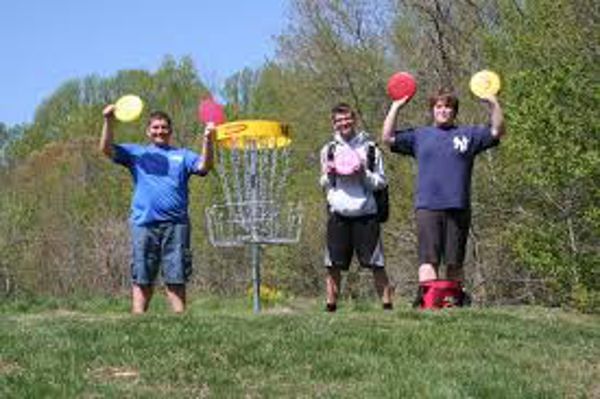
[[381, 195], [330, 158], [371, 157]]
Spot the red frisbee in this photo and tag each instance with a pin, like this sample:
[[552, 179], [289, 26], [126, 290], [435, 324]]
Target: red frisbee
[[400, 85], [211, 111]]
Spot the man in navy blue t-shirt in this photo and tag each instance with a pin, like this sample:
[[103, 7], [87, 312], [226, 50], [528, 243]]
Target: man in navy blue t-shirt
[[159, 221], [444, 153]]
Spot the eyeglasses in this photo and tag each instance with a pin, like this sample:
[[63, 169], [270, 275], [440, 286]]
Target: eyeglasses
[[342, 119]]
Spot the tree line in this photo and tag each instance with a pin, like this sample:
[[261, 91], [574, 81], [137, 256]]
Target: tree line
[[536, 231]]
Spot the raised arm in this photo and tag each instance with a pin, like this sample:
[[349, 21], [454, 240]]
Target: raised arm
[[106, 139], [389, 123], [208, 144], [496, 117]]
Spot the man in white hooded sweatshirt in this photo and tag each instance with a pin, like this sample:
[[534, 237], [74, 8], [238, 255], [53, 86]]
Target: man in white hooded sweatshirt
[[352, 224]]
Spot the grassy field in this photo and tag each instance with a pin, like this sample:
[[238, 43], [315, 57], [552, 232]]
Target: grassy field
[[219, 349]]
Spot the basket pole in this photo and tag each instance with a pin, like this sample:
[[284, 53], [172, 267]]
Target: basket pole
[[255, 253]]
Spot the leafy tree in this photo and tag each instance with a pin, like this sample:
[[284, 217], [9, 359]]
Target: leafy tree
[[535, 201], [551, 163]]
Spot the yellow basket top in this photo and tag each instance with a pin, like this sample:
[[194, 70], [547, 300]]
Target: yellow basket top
[[262, 133]]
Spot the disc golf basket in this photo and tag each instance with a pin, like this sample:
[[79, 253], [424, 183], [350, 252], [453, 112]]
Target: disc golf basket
[[253, 167]]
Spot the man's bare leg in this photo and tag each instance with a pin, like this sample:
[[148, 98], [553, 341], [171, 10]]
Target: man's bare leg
[[455, 272], [332, 282], [140, 298], [427, 272], [382, 286], [176, 297]]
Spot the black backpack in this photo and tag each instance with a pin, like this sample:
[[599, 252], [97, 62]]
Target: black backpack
[[382, 197]]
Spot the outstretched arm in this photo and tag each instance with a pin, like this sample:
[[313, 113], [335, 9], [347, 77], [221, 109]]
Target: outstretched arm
[[389, 123], [106, 139], [496, 117], [208, 150]]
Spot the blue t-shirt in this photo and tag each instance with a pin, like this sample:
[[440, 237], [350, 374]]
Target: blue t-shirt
[[160, 178], [445, 162]]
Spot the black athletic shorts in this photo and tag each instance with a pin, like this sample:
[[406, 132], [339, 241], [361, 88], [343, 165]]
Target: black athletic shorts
[[347, 235], [442, 235]]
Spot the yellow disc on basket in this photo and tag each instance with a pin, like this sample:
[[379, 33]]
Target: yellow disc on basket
[[261, 133], [485, 83], [128, 108]]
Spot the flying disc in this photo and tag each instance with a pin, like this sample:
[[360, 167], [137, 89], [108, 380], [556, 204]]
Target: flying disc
[[400, 85], [346, 161], [211, 111], [485, 83], [128, 108]]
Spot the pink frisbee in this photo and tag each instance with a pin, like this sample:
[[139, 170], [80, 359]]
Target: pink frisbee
[[211, 111], [347, 161], [400, 85]]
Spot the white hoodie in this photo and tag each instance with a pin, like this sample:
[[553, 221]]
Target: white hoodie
[[352, 195]]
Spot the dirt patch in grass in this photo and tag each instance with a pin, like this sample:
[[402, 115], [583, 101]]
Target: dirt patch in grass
[[111, 374], [279, 310], [64, 314], [595, 388], [7, 367]]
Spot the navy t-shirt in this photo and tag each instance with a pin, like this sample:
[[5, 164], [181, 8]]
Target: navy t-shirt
[[445, 162], [160, 176]]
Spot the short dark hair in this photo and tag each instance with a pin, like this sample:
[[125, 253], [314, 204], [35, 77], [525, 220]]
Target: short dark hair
[[154, 115], [342, 108], [447, 97]]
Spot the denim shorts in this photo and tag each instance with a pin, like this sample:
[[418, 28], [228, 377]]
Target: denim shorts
[[161, 246]]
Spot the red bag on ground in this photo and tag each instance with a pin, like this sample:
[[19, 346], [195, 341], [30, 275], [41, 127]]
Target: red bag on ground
[[437, 294]]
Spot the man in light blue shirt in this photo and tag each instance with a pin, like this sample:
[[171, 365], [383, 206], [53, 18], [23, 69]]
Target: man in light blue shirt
[[160, 228]]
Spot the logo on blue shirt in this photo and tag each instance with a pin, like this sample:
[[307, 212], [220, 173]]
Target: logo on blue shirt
[[461, 144]]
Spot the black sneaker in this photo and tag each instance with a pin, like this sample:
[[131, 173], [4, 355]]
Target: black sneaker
[[418, 298], [466, 300], [331, 307], [388, 306]]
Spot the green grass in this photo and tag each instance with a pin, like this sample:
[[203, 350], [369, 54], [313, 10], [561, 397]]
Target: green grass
[[95, 349]]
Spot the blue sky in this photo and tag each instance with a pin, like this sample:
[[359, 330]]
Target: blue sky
[[46, 42]]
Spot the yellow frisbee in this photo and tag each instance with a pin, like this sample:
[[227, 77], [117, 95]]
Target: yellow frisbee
[[485, 83], [263, 133], [128, 108]]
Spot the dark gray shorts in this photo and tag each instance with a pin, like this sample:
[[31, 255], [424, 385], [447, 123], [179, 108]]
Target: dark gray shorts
[[442, 235], [163, 244], [346, 235]]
